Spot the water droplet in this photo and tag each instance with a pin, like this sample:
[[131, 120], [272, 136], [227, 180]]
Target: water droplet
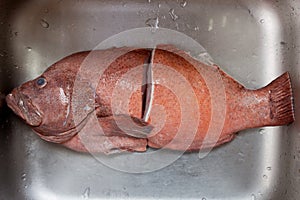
[[224, 21], [265, 176], [253, 197], [269, 168], [167, 182], [262, 131], [254, 55], [16, 33], [44, 23], [183, 3], [210, 24], [203, 198], [158, 5], [172, 14], [153, 23], [149, 1], [23, 176], [86, 193], [241, 154], [29, 49], [262, 21], [197, 28]]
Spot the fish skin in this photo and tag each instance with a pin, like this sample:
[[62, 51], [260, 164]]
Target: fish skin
[[55, 126], [244, 108], [269, 106]]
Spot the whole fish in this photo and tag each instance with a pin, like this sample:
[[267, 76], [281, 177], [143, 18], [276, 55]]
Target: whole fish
[[169, 100]]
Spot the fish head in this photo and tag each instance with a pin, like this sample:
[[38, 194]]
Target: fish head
[[45, 102]]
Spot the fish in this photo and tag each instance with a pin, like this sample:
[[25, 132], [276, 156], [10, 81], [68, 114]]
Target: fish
[[129, 99]]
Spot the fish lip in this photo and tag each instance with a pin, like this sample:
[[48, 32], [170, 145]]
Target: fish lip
[[12, 104], [33, 117]]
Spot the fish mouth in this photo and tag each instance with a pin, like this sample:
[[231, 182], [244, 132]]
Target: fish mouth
[[23, 107]]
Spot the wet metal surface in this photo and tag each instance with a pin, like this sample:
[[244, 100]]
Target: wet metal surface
[[253, 41]]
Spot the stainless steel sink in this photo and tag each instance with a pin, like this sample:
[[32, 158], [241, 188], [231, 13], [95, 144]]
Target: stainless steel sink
[[253, 41]]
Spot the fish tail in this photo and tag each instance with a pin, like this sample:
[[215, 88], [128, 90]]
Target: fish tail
[[281, 100]]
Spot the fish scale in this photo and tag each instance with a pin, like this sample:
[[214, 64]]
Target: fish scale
[[139, 98]]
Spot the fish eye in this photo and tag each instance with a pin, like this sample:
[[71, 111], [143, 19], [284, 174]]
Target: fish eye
[[41, 82]]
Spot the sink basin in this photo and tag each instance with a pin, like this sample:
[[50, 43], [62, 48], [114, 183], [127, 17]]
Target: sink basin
[[253, 41]]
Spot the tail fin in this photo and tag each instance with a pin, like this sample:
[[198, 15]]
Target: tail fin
[[281, 100]]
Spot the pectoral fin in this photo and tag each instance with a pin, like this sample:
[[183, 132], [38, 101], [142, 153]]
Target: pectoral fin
[[112, 134]]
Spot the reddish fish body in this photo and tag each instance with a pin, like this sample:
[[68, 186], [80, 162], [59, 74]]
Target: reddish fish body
[[199, 105], [244, 108]]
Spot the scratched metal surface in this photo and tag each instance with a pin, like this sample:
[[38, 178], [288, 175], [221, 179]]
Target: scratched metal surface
[[253, 41]]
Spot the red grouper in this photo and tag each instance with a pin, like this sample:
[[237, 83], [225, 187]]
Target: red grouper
[[161, 98]]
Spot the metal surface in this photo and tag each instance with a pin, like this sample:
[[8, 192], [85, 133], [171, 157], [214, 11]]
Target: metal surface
[[253, 41]]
